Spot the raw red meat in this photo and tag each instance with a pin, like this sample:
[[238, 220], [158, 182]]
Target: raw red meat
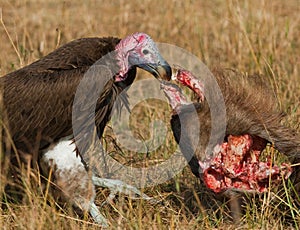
[[236, 165]]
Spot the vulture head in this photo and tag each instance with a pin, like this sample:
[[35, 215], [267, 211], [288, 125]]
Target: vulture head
[[139, 50]]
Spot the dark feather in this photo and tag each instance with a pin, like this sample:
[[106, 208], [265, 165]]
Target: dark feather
[[38, 98]]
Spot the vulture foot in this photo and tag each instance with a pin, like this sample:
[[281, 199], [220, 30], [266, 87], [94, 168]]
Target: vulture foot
[[117, 186]]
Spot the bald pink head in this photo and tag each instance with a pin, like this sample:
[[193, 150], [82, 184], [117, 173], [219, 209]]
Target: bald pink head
[[140, 50]]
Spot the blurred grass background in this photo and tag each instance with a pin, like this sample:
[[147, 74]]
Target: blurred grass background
[[250, 35]]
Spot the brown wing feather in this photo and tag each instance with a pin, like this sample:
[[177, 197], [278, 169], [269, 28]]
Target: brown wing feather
[[38, 98], [76, 54]]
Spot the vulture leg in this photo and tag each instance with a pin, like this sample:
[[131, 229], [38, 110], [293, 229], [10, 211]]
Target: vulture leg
[[72, 181], [77, 186]]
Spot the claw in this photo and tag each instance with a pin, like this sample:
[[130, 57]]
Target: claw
[[109, 199], [97, 216]]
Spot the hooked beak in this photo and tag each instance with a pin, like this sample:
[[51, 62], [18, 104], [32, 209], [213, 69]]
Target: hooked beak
[[161, 70]]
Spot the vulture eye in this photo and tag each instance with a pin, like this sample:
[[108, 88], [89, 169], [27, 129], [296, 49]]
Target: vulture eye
[[145, 52]]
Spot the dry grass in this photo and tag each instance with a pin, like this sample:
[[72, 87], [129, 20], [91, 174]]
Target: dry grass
[[253, 36]]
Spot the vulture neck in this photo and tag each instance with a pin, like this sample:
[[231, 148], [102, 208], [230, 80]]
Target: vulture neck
[[122, 53]]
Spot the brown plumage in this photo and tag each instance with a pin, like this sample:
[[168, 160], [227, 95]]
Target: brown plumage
[[38, 99]]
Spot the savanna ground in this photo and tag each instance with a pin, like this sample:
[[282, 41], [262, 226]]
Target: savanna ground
[[252, 36]]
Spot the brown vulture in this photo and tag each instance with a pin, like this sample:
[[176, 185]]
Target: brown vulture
[[38, 104], [252, 121]]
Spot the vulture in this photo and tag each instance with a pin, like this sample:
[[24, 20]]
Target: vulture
[[233, 162], [39, 103]]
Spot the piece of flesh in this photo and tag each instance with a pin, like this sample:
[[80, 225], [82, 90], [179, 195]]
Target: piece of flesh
[[236, 165], [186, 78], [174, 95]]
